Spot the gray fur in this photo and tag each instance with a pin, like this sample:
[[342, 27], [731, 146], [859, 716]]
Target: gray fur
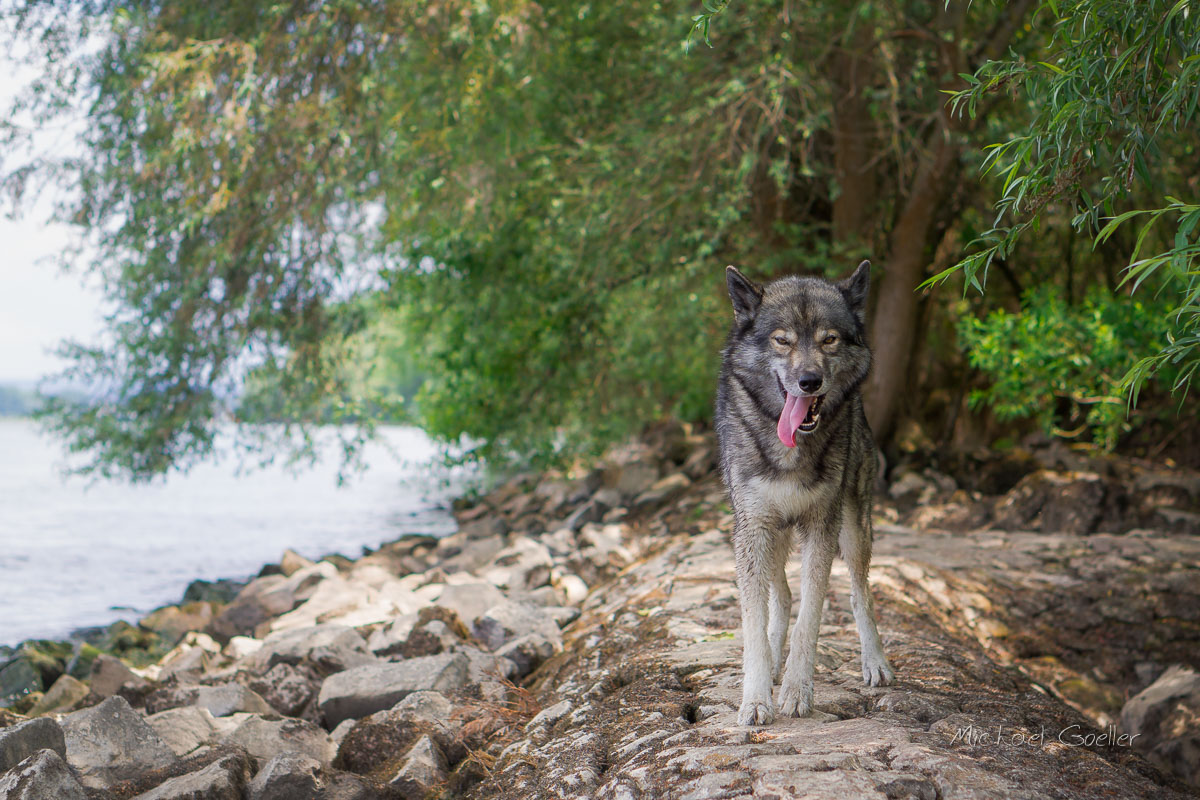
[[816, 496]]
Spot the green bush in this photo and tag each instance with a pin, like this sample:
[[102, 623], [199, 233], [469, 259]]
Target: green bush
[[1054, 360]]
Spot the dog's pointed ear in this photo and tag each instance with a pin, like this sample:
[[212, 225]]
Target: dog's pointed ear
[[745, 294], [855, 289]]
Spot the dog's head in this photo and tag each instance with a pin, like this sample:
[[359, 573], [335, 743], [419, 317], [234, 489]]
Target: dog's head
[[808, 336]]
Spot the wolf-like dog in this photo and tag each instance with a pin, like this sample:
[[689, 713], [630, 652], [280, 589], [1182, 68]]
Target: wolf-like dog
[[799, 462]]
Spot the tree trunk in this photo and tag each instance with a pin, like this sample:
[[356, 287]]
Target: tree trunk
[[896, 301], [854, 139]]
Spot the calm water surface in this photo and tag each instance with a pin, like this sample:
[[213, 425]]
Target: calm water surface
[[74, 554]]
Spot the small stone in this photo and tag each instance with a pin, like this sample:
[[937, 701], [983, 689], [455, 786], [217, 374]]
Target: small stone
[[1164, 719], [42, 776], [110, 742], [364, 690], [26, 738], [287, 776], [573, 587]]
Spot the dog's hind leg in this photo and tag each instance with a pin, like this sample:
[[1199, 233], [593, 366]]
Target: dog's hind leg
[[796, 694], [856, 550], [780, 611], [753, 545]]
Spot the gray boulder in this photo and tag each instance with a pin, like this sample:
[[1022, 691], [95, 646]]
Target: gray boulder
[[224, 779], [288, 776], [298, 644], [230, 698], [529, 652], [183, 729], [42, 776], [506, 621], [364, 690], [24, 739], [109, 674], [110, 742], [64, 695], [265, 739], [1165, 720], [375, 740], [286, 688], [469, 600]]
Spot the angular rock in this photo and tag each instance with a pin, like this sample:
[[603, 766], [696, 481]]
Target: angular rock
[[485, 527], [1165, 718], [230, 698], [364, 690], [18, 678], [224, 779], [172, 622], [423, 769], [292, 562], [529, 652], [220, 591], [590, 511], [506, 621], [254, 605], [662, 490], [62, 696], [295, 645], [376, 739], [26, 738], [264, 739], [183, 729], [172, 696], [286, 688], [41, 776], [109, 674], [633, 478], [521, 566], [288, 776], [469, 600], [110, 742]]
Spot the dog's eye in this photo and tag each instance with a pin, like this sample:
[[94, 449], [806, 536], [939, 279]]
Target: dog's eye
[[830, 339], [782, 341]]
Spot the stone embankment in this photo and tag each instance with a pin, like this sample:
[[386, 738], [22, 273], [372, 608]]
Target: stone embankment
[[578, 638]]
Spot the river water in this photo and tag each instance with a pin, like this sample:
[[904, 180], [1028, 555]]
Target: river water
[[75, 553]]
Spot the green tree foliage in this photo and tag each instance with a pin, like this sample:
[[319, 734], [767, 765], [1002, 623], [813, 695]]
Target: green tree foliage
[[1062, 363], [1114, 92], [300, 208]]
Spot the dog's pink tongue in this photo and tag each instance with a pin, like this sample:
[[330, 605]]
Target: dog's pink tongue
[[795, 409]]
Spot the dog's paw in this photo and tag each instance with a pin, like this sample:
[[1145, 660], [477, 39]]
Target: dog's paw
[[756, 712], [876, 670], [795, 699]]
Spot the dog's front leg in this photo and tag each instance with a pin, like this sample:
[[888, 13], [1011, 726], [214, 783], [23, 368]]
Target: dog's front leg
[[752, 545], [796, 694]]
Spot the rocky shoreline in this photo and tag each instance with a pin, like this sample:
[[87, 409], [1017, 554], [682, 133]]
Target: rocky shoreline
[[578, 637]]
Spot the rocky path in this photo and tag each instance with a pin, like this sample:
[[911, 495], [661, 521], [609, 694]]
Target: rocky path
[[647, 691], [580, 639]]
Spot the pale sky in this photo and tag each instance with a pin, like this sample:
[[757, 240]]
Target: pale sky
[[39, 304]]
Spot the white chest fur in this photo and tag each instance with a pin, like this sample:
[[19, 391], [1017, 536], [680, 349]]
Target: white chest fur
[[782, 497]]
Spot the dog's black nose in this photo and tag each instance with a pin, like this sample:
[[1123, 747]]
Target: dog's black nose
[[809, 382]]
